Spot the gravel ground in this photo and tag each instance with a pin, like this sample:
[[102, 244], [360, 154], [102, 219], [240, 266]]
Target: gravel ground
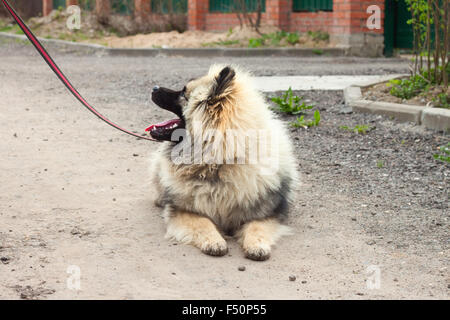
[[75, 192], [400, 191]]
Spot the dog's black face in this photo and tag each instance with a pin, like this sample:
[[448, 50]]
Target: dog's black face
[[169, 100], [210, 92]]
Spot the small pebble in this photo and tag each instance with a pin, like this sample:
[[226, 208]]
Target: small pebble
[[241, 268], [292, 278], [4, 260]]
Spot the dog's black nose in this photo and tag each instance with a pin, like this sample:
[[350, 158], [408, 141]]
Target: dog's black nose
[[155, 88]]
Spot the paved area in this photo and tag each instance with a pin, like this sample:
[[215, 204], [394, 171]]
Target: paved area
[[75, 194], [277, 83]]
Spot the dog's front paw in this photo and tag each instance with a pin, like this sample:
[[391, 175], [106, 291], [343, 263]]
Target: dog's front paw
[[257, 253], [216, 249]]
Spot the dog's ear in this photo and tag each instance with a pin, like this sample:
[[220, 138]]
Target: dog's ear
[[222, 85]]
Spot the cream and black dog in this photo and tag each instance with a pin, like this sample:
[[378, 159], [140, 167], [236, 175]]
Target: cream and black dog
[[227, 167]]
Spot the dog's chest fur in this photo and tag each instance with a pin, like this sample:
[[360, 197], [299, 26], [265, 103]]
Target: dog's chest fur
[[228, 194]]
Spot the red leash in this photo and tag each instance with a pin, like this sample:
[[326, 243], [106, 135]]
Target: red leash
[[59, 73]]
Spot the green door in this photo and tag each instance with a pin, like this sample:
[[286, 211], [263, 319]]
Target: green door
[[404, 34], [59, 4], [398, 34]]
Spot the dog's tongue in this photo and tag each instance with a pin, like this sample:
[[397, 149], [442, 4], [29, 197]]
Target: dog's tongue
[[165, 124]]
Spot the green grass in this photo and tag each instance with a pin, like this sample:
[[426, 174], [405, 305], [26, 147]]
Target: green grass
[[6, 28], [444, 153], [255, 42], [442, 100], [358, 129], [301, 122], [291, 104], [407, 88], [294, 105], [319, 35], [220, 43], [318, 52], [11, 29], [380, 164], [418, 84], [293, 38], [274, 39]]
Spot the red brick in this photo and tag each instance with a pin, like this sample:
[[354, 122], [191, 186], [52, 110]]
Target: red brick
[[47, 7]]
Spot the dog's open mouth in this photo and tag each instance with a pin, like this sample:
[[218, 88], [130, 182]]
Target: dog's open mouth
[[169, 100], [164, 130]]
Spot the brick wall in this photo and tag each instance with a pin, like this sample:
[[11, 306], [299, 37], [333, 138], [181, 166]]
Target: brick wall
[[25, 8], [103, 7], [347, 17], [47, 7], [351, 16], [142, 8], [277, 14], [198, 10]]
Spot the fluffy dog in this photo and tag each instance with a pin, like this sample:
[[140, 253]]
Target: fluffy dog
[[226, 166]]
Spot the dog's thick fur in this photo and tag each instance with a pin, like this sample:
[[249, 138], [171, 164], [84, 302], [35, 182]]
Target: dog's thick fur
[[203, 201]]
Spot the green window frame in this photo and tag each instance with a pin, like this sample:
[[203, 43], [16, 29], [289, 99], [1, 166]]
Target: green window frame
[[84, 4], [125, 7], [87, 4], [227, 6], [312, 5], [166, 6], [59, 3]]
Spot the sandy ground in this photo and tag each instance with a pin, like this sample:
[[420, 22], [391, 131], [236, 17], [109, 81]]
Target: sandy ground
[[123, 32], [75, 193], [238, 38]]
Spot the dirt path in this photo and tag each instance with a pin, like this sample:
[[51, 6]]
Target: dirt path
[[75, 192]]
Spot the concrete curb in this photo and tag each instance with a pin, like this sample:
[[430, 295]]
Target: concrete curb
[[67, 46], [432, 118], [436, 118]]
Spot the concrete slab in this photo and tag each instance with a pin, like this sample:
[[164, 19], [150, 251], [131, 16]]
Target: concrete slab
[[352, 94], [432, 118], [403, 113], [436, 118], [271, 84]]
